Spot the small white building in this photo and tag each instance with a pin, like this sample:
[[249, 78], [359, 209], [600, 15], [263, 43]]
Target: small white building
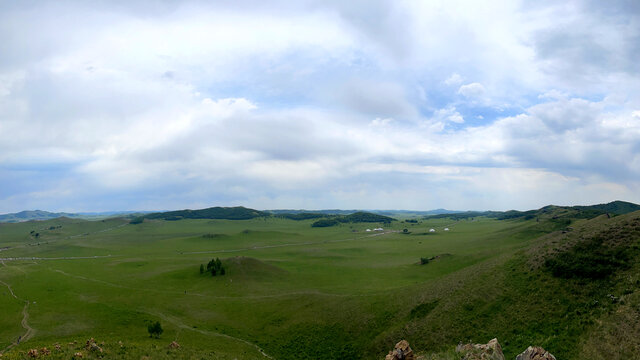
[[378, 229], [432, 230], [446, 229], [368, 230]]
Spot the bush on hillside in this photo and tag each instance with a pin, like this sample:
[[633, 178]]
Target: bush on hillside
[[155, 329]]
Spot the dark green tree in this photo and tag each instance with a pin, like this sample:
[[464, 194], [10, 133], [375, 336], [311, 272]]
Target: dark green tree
[[201, 269], [155, 329], [215, 267]]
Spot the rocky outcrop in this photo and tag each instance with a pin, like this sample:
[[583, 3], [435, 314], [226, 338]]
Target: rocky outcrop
[[402, 351], [535, 353], [174, 345], [489, 351]]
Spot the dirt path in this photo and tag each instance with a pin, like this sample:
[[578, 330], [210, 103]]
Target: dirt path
[[57, 258], [25, 319], [181, 325]]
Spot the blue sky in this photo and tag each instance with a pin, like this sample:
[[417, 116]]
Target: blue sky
[[141, 105]]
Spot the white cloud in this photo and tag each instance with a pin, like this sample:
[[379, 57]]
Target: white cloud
[[472, 90], [454, 79], [448, 114]]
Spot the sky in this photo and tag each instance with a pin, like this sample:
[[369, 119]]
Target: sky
[[366, 104]]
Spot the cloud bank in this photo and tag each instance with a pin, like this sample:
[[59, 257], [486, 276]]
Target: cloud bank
[[383, 104]]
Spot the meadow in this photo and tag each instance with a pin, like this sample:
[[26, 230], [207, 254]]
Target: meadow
[[291, 291]]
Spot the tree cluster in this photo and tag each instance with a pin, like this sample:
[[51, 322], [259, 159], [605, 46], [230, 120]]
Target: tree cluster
[[214, 266], [155, 329]]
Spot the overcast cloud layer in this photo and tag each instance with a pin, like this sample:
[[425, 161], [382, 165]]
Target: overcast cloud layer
[[120, 105]]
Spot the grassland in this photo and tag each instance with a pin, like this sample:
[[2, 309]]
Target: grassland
[[296, 292]]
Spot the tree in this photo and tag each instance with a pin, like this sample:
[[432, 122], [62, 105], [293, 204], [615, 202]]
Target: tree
[[155, 329], [201, 269], [215, 267]]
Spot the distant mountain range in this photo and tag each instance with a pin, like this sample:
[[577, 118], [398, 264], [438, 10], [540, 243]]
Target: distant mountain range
[[29, 215], [242, 213]]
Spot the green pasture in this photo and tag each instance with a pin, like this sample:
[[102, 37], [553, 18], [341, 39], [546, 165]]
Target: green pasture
[[292, 291]]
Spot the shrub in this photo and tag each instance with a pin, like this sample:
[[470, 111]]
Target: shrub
[[155, 329]]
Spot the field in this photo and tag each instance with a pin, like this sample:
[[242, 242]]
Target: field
[[292, 291]]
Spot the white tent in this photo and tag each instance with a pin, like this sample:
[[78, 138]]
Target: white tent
[[432, 230], [446, 229]]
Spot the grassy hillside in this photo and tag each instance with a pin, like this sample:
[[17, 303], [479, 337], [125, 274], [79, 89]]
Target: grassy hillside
[[293, 291]]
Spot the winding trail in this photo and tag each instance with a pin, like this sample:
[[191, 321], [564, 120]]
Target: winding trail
[[57, 258], [181, 325], [25, 317]]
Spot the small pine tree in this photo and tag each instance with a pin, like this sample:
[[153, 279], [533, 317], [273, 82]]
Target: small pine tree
[[201, 269], [222, 272]]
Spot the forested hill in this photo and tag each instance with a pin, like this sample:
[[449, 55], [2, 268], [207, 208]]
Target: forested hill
[[585, 212], [227, 213], [615, 207]]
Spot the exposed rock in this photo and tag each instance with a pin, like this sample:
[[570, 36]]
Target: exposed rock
[[78, 355], [174, 345], [489, 351], [92, 346], [45, 351], [58, 347], [33, 353], [535, 353], [402, 351]]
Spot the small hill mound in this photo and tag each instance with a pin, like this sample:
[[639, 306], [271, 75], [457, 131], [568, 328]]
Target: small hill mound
[[362, 216], [243, 266]]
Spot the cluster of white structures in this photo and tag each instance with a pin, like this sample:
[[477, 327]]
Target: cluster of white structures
[[434, 230], [376, 229]]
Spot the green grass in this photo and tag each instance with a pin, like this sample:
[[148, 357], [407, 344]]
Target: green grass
[[292, 290]]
